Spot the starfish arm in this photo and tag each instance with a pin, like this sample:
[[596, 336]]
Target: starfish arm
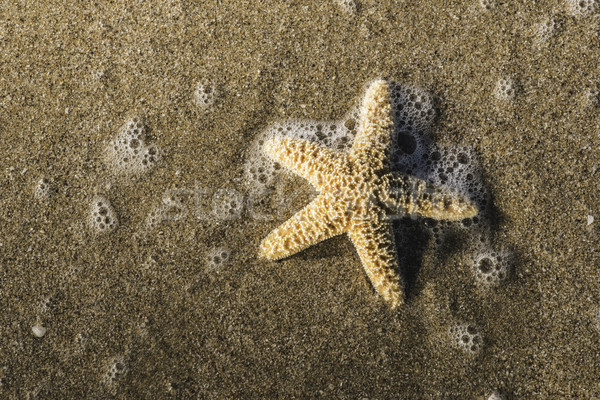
[[372, 142], [311, 225], [374, 242], [309, 160], [404, 194]]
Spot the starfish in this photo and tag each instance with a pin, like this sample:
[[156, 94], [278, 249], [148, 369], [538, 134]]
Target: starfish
[[359, 195]]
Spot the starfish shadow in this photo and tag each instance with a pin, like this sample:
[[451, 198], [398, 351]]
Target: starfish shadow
[[414, 153]]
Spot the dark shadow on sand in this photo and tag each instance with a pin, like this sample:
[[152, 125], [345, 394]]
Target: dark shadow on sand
[[416, 154]]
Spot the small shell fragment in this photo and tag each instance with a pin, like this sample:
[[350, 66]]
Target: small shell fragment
[[38, 330]]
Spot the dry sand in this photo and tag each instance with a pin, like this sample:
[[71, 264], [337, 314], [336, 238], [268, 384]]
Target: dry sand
[[148, 313]]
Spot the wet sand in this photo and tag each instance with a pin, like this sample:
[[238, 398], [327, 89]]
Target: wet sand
[[149, 312]]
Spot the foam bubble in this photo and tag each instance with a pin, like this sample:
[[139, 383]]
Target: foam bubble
[[581, 7], [589, 220], [174, 208], [116, 370], [44, 189], [103, 218], [487, 4], [505, 89], [466, 336], [491, 267], [150, 264], [204, 95], [154, 217], [227, 203], [141, 327], [452, 168], [544, 30], [128, 153], [97, 74], [349, 6], [496, 396], [413, 108], [217, 257]]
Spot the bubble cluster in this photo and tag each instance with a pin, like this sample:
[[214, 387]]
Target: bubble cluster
[[505, 89], [154, 218], [466, 337], [217, 257], [204, 95], [491, 267], [128, 152], [487, 4], [413, 109], [51, 303], [581, 7], [454, 168], [103, 218], [43, 189], [116, 370], [227, 204], [496, 396], [349, 6], [173, 207], [544, 31]]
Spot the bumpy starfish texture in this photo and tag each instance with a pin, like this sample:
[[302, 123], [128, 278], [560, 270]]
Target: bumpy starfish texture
[[359, 196]]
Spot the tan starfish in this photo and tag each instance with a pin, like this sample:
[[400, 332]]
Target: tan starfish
[[359, 195]]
